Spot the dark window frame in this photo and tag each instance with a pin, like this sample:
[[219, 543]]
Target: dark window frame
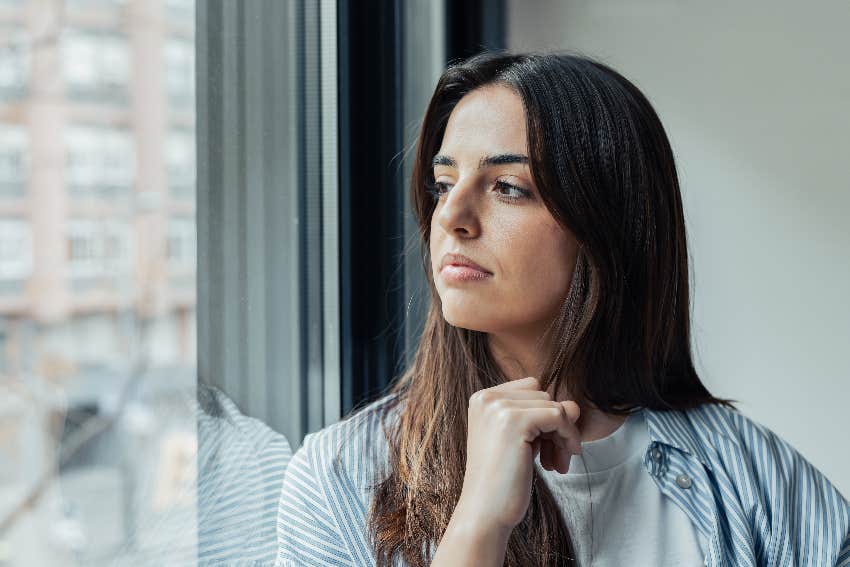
[[308, 306]]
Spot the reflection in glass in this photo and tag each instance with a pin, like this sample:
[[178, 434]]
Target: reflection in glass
[[98, 441]]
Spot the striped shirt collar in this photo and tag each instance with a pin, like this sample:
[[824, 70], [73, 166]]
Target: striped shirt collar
[[674, 428]]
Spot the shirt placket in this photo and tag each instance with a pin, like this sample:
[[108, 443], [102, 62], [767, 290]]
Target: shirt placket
[[689, 483]]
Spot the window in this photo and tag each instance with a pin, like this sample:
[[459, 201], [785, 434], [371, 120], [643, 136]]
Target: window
[[181, 243], [13, 160], [96, 65], [180, 163], [15, 249], [97, 322], [181, 11], [100, 161], [14, 62], [98, 248], [180, 71], [107, 330]]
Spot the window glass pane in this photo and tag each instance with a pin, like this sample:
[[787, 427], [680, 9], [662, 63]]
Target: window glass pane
[[14, 60], [180, 162], [96, 65], [100, 160], [98, 353], [15, 254], [14, 159], [180, 70]]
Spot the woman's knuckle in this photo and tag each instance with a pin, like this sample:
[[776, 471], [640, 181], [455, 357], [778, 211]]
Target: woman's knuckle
[[488, 397], [503, 418]]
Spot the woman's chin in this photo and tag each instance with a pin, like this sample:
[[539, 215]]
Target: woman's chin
[[464, 318]]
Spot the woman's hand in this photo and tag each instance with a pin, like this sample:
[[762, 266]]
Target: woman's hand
[[508, 425]]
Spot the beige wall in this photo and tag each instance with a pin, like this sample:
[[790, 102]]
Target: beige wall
[[754, 97]]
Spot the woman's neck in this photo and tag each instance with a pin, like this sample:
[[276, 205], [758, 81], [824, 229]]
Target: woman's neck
[[517, 358], [594, 424]]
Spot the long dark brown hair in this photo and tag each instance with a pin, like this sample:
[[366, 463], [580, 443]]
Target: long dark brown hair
[[605, 170]]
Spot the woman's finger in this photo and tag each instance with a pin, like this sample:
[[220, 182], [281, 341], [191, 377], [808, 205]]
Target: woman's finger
[[521, 395], [526, 402], [551, 419]]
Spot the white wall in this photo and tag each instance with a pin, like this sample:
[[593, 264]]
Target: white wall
[[755, 98]]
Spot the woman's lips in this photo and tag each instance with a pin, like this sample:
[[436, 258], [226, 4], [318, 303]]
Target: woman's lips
[[456, 273]]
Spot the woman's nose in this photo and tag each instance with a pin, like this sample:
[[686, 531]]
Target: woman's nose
[[460, 209]]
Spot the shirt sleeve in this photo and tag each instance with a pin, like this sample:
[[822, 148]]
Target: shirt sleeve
[[817, 516], [307, 531], [241, 464], [844, 554]]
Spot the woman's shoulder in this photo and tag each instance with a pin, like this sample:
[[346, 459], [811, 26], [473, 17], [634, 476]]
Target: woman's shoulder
[[354, 449], [773, 482], [710, 425], [326, 489], [736, 434], [733, 444]]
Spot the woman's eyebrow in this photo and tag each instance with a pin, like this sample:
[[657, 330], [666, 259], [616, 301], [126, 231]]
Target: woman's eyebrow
[[486, 161]]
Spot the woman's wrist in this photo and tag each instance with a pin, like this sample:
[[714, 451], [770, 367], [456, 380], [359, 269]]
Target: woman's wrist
[[469, 541]]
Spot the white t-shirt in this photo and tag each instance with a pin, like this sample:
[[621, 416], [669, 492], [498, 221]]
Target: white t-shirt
[[633, 522]]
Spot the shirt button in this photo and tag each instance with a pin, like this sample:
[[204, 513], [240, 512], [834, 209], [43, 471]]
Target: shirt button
[[656, 454], [684, 481]]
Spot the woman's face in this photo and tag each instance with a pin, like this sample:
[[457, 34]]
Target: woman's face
[[493, 213]]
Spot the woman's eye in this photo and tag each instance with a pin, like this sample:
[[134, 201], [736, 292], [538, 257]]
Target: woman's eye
[[502, 189], [435, 189], [520, 193]]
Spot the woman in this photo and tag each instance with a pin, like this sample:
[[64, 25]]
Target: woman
[[552, 415]]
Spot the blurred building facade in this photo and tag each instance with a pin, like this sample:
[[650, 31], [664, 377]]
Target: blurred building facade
[[96, 180], [97, 262]]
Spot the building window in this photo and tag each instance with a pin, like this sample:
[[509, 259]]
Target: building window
[[180, 72], [98, 248], [180, 162], [181, 11], [14, 160], [96, 65], [14, 63], [100, 161], [15, 250], [181, 242]]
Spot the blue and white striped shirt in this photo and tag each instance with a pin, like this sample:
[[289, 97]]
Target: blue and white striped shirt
[[753, 498], [226, 514], [241, 465]]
